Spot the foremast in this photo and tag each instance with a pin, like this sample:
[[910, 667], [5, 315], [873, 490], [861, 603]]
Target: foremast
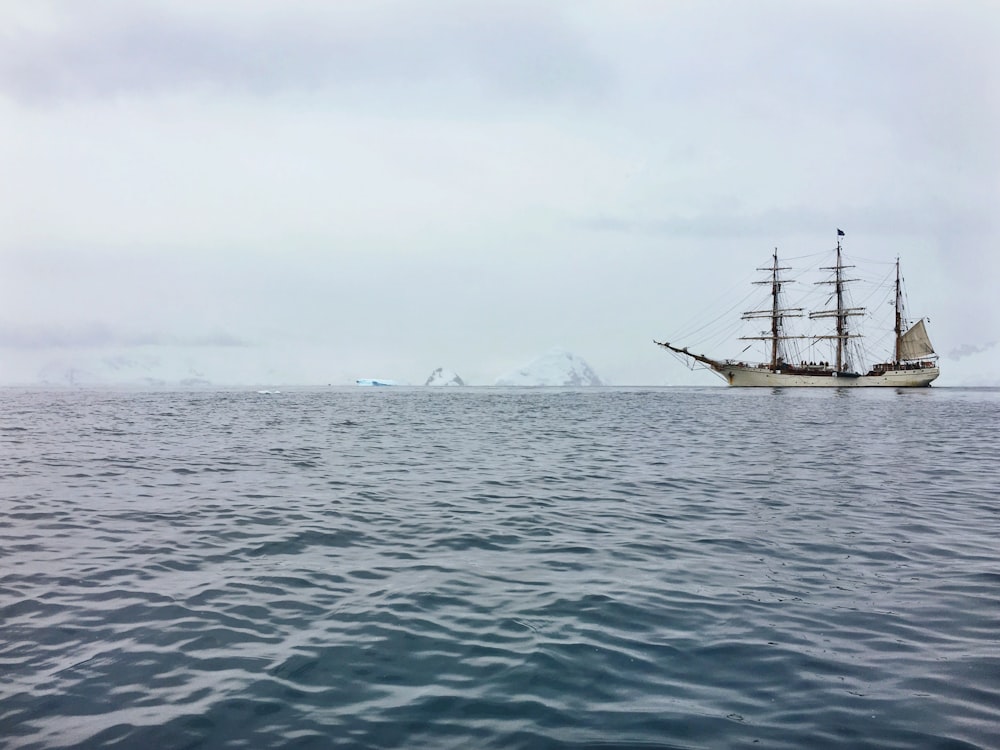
[[776, 313]]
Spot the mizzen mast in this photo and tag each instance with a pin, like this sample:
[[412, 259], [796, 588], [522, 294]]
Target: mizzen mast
[[913, 343], [897, 353]]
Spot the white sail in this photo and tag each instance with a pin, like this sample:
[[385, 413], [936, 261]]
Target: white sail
[[915, 343]]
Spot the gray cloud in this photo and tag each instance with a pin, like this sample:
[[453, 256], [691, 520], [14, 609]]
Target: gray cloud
[[968, 350], [99, 335], [325, 190], [879, 219], [115, 49]]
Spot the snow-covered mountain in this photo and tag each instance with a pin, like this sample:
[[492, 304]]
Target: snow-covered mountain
[[441, 376], [182, 366], [554, 368], [160, 366], [118, 369]]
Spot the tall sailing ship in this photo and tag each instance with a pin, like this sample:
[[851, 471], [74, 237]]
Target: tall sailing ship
[[913, 362]]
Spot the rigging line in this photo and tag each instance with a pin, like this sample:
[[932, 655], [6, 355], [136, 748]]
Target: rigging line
[[800, 257], [719, 340], [906, 302], [803, 298], [883, 286], [723, 315], [720, 333], [686, 331], [871, 260], [700, 316], [883, 340], [724, 337]]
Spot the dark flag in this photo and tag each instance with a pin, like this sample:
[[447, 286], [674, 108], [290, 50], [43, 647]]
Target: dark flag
[[840, 232]]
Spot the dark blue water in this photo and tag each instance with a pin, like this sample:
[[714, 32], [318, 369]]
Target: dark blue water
[[653, 568]]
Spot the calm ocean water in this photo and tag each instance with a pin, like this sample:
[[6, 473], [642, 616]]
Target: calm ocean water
[[490, 568]]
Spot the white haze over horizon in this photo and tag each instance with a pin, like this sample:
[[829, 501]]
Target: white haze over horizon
[[308, 192]]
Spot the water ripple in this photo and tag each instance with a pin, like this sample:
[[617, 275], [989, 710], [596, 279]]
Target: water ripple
[[608, 568]]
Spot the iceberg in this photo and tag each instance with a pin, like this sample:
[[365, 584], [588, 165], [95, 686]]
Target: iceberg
[[441, 377], [555, 368]]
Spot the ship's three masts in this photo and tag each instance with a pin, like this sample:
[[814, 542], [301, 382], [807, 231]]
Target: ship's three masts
[[909, 367]]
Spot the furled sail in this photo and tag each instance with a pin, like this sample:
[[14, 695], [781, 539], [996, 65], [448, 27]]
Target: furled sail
[[915, 343]]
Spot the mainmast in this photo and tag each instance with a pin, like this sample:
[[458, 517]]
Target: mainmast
[[776, 313], [841, 313], [841, 317]]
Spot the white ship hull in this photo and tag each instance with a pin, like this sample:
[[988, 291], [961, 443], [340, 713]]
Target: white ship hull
[[748, 377]]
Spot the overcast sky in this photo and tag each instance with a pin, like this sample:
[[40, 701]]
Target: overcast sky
[[308, 191]]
